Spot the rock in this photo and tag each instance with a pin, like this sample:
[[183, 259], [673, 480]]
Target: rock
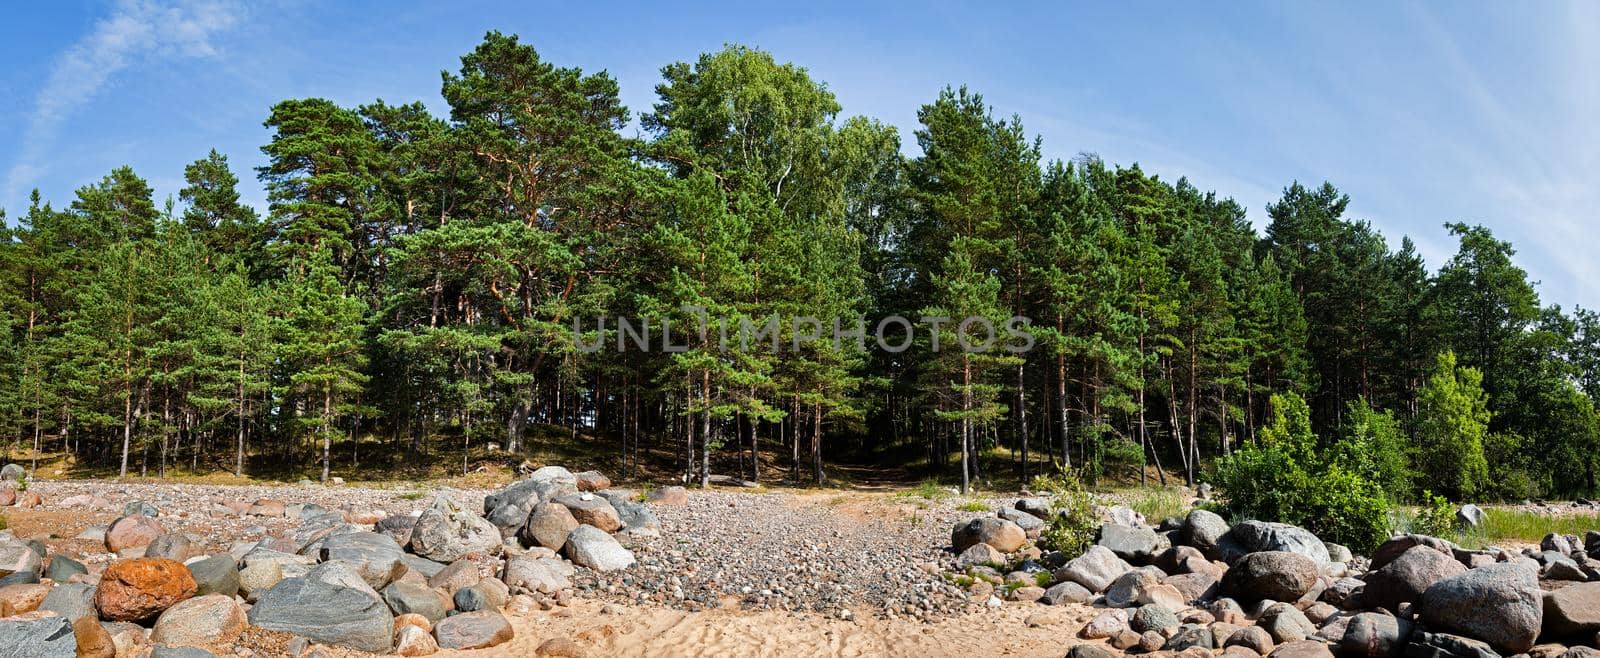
[[1027, 593], [592, 481], [1500, 604], [1066, 593], [1165, 595], [63, 568], [1194, 586], [37, 636], [12, 473], [405, 598], [980, 555], [71, 600], [330, 604], [590, 547], [1028, 522], [171, 545], [1135, 545], [1129, 588], [135, 531], [1251, 637], [140, 508], [509, 518], [1037, 507], [673, 495], [559, 647], [458, 574], [1556, 542], [1581, 652], [397, 527], [1259, 536], [470, 599], [216, 574], [544, 484], [473, 630], [638, 520], [413, 641], [1375, 635], [141, 588], [1123, 515], [1469, 516], [548, 526], [163, 651], [1338, 553], [256, 579], [376, 557], [1444, 645], [23, 598], [18, 558], [996, 532], [1090, 651], [1095, 570], [1406, 577], [1153, 617], [1573, 610], [8, 496], [29, 500], [1301, 649], [1343, 590], [1286, 623], [1106, 624], [1203, 530], [1274, 575], [1397, 546], [446, 533], [544, 575], [1191, 636], [199, 622], [92, 639]]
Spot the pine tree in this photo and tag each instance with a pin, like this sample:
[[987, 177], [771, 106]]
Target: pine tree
[[1452, 421], [321, 343]]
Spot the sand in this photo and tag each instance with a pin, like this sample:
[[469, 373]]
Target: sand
[[1015, 629]]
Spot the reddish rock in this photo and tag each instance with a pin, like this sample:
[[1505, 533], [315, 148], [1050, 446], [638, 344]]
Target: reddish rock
[[268, 507], [93, 639], [8, 496], [29, 500], [668, 496], [135, 531], [139, 589], [21, 599], [592, 481]]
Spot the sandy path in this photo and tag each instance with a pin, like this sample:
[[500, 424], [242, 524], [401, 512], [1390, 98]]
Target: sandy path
[[631, 631]]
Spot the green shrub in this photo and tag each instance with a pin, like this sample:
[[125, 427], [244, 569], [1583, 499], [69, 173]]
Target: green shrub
[[973, 506], [1375, 448], [1436, 518], [1284, 479], [1073, 525]]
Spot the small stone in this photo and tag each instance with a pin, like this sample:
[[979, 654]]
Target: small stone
[[473, 630]]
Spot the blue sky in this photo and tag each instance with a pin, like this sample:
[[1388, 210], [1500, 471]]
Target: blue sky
[[1423, 113]]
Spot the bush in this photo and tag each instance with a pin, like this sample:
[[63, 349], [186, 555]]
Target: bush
[[1073, 524], [1437, 518], [1375, 448], [1284, 479]]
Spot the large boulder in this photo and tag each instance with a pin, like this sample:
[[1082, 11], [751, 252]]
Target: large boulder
[[1203, 530], [397, 527], [331, 604], [1573, 610], [591, 547], [12, 473], [996, 532], [592, 481], [1095, 570], [548, 526], [1499, 603], [1286, 623], [22, 598], [1134, 544], [542, 485], [216, 574], [1375, 635], [133, 531], [407, 598], [141, 588], [199, 622], [1389, 550], [1274, 575], [546, 575], [1133, 588], [17, 557], [473, 630], [1406, 577], [37, 636], [1470, 516], [377, 558], [446, 533], [1260, 537], [638, 520], [71, 600], [1445, 645]]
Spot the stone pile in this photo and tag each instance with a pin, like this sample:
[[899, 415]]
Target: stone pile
[[1199, 588], [439, 578]]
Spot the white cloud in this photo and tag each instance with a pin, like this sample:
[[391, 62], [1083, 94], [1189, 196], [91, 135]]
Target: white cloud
[[137, 31]]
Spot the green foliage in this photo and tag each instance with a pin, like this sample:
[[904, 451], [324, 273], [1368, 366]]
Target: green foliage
[[1285, 479], [973, 506], [1452, 421], [1437, 518], [1073, 525], [1376, 449]]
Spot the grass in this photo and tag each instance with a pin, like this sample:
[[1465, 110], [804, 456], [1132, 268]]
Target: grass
[[1509, 525], [973, 506], [926, 490], [1158, 504]]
